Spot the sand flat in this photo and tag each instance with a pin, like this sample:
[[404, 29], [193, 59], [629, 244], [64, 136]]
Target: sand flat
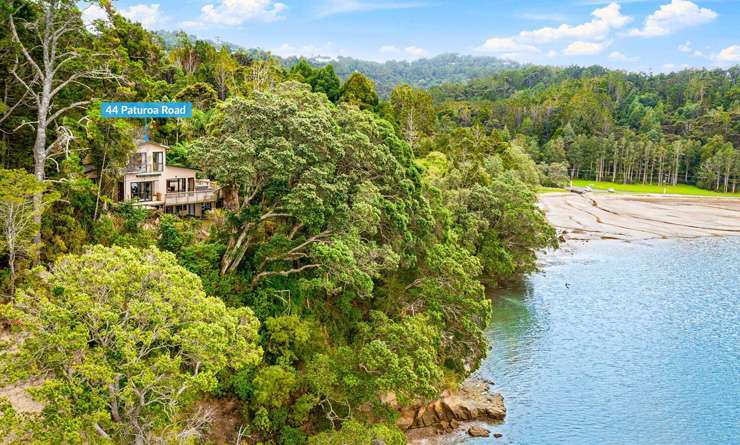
[[640, 217]]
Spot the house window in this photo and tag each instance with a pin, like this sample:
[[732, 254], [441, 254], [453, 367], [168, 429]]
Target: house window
[[137, 162], [141, 191], [176, 185], [158, 161], [181, 209]]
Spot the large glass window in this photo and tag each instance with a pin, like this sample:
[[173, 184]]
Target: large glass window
[[158, 161], [141, 191], [176, 185], [137, 162]]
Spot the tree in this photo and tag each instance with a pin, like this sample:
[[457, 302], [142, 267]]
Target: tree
[[326, 81], [18, 221], [224, 68], [414, 112], [201, 94], [125, 340], [289, 160], [52, 59], [359, 90]]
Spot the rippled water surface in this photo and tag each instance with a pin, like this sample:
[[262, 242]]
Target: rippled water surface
[[622, 343]]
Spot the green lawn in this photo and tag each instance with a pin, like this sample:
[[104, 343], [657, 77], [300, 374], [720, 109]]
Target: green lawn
[[549, 189], [680, 189]]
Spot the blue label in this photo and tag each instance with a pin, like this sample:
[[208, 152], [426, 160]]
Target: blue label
[[142, 110]]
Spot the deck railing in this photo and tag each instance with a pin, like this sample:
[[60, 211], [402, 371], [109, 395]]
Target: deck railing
[[191, 197]]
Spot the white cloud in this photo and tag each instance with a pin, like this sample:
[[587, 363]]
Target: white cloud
[[616, 55], [729, 54], [552, 53], [581, 48], [676, 15], [149, 15], [415, 52], [687, 48], [327, 50], [389, 49], [585, 36], [236, 12], [670, 67], [501, 45], [407, 53], [605, 19], [92, 13], [333, 7]]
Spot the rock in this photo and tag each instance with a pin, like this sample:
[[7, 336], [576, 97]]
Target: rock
[[498, 435], [389, 399], [406, 419], [426, 416], [472, 402], [377, 442], [476, 431]]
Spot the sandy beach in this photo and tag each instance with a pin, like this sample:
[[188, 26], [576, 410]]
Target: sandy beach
[[592, 216]]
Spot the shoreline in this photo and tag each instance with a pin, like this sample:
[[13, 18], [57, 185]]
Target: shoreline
[[627, 217], [639, 217]]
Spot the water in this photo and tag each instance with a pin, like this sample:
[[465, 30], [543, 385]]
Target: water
[[622, 343]]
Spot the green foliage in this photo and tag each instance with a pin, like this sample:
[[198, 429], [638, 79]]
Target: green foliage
[[355, 433], [413, 112], [360, 91], [201, 94], [365, 264], [135, 342], [19, 217], [170, 238], [273, 385]]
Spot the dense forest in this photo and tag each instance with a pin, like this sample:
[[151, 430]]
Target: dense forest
[[603, 125], [342, 279], [421, 73], [344, 276]]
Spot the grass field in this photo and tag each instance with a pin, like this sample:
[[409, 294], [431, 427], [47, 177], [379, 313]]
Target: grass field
[[680, 189], [549, 189]]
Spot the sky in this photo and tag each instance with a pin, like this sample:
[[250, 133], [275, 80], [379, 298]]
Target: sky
[[635, 35]]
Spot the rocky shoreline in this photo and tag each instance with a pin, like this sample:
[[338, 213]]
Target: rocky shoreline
[[466, 411]]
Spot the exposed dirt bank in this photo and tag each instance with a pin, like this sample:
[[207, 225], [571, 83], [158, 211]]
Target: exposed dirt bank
[[593, 216]]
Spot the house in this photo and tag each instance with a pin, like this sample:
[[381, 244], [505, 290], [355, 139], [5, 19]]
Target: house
[[149, 181]]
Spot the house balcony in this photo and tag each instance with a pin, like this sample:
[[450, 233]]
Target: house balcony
[[199, 195], [144, 170]]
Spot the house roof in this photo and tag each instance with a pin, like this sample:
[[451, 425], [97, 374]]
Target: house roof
[[140, 143]]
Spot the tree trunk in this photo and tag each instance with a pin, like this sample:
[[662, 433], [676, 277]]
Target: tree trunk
[[39, 158]]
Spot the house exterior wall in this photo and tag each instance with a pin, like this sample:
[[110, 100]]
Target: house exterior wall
[[175, 189]]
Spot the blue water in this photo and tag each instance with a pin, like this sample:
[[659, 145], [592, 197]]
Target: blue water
[[622, 343]]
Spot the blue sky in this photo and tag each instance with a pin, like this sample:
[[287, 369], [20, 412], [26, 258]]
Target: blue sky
[[636, 35]]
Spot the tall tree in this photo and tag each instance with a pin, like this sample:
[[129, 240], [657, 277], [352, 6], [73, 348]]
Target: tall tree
[[125, 341], [18, 222], [414, 112], [54, 56], [360, 91]]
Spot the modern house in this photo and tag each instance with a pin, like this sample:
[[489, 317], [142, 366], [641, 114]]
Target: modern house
[[149, 181]]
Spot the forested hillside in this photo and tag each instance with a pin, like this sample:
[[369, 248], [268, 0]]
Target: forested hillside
[[421, 73], [342, 279], [610, 125]]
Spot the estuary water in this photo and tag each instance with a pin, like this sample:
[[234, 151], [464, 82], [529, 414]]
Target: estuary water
[[621, 343]]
